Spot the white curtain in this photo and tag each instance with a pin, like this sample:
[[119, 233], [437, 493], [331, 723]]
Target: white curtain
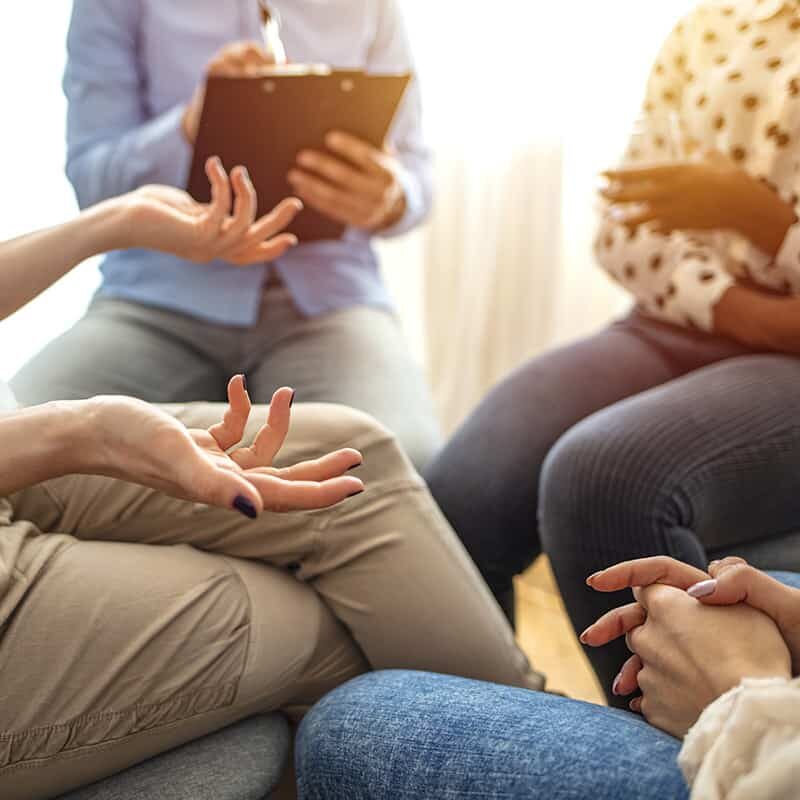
[[526, 101]]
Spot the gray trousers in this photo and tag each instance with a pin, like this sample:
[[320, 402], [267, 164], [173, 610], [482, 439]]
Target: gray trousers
[[356, 357]]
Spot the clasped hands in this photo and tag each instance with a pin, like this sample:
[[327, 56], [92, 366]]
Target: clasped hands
[[694, 635], [352, 182]]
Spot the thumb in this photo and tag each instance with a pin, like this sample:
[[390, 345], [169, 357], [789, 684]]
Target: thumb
[[225, 488], [741, 583]]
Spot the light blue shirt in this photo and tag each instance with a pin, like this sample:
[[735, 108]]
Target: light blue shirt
[[134, 64]]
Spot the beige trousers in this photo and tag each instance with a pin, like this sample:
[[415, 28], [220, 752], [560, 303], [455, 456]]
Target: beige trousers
[[148, 621]]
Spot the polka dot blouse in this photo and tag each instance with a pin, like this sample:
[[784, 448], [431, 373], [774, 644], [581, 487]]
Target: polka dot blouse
[[730, 72]]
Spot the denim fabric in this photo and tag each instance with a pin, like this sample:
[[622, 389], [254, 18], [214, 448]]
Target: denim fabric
[[413, 736], [243, 762]]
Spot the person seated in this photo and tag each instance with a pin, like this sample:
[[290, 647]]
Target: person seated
[[714, 656], [160, 580], [318, 316], [666, 432]]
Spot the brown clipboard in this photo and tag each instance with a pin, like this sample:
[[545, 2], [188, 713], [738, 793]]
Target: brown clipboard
[[264, 122]]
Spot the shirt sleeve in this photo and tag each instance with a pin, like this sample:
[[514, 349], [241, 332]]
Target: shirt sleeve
[[113, 146], [391, 51], [678, 278], [746, 744]]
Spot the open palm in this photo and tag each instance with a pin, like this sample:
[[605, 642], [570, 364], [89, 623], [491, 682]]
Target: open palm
[[170, 220], [144, 445]]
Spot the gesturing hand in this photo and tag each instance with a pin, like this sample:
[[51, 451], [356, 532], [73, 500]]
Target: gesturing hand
[[354, 183], [169, 220], [713, 194], [137, 442]]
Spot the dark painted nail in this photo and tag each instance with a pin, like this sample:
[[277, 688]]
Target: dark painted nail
[[291, 402], [244, 381], [244, 506], [355, 494]]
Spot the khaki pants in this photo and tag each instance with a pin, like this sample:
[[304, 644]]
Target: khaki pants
[[150, 621]]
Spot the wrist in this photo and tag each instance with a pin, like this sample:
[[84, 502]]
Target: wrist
[[108, 226], [766, 219], [757, 319], [67, 433]]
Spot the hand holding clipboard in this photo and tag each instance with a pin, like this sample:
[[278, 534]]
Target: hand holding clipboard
[[266, 121]]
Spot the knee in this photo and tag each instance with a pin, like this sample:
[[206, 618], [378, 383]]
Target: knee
[[603, 483], [385, 457], [343, 731]]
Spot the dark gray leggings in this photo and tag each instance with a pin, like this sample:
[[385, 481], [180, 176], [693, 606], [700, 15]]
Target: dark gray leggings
[[579, 454]]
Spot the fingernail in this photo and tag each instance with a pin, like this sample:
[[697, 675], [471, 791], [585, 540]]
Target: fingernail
[[291, 402], [582, 637], [592, 577], [355, 494], [713, 564], [293, 241], [244, 506], [615, 685], [702, 589], [244, 381], [355, 466]]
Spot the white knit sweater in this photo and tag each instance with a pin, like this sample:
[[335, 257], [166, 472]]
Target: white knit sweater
[[746, 745]]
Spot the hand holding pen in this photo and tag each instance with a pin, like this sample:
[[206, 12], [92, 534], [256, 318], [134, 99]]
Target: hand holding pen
[[237, 60]]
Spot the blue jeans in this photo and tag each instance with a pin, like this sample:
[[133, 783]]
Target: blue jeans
[[645, 439], [414, 736]]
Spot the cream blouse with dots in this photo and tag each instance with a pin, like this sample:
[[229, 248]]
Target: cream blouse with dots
[[731, 73]]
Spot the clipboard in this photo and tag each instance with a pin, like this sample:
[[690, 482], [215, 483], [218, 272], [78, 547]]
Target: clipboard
[[264, 122]]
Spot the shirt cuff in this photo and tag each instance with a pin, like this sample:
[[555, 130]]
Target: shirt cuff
[[415, 205], [698, 283]]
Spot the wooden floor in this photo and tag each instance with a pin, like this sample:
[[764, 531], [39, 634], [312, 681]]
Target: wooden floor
[[546, 635]]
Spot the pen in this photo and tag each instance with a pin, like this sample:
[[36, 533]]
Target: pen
[[270, 31]]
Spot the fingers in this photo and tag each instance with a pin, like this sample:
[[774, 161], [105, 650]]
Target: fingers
[[664, 172], [220, 205], [240, 59], [224, 488], [361, 154], [244, 210], [644, 572], [715, 567], [627, 681], [341, 174], [738, 582], [614, 624], [230, 431], [271, 437], [337, 204], [329, 466], [635, 193], [282, 496], [253, 247]]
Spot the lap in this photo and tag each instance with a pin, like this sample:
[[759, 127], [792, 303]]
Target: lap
[[121, 348], [130, 650], [357, 357], [717, 451], [410, 735]]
